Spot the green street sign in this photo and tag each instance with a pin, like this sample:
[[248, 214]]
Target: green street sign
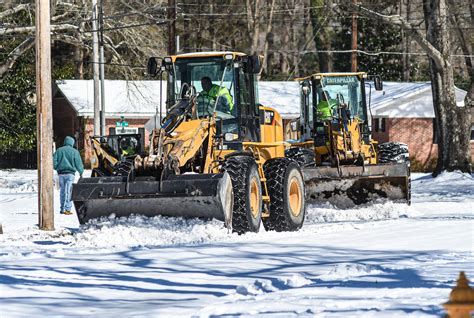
[[121, 124]]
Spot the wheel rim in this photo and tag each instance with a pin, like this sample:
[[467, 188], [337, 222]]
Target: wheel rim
[[254, 197], [295, 197]]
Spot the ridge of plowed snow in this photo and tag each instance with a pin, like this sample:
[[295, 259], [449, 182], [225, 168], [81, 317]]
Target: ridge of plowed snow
[[370, 212], [347, 271]]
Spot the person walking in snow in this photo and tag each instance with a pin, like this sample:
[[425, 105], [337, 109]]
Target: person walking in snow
[[67, 161]]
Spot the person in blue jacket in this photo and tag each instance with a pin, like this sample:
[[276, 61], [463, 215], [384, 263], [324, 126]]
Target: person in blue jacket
[[67, 161]]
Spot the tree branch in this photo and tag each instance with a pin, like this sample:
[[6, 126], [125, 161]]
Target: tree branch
[[15, 55], [396, 20], [14, 10], [32, 29]]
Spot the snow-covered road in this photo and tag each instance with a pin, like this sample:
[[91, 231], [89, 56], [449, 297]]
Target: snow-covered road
[[383, 260]]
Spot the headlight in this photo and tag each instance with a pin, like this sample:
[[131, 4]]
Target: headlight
[[229, 136]]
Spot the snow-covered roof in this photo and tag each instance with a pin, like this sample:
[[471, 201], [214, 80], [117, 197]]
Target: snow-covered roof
[[283, 96], [406, 100], [141, 98], [134, 98]]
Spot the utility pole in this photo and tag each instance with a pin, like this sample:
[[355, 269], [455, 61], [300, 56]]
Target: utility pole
[[44, 116], [354, 41], [406, 49], [171, 27], [102, 71], [95, 67]]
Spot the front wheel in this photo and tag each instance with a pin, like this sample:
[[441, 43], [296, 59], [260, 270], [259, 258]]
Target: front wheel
[[247, 187], [287, 197]]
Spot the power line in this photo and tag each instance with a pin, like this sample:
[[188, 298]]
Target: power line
[[111, 64], [128, 26], [343, 52]]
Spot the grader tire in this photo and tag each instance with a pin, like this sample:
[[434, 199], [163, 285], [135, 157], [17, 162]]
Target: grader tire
[[286, 189], [246, 184], [393, 152]]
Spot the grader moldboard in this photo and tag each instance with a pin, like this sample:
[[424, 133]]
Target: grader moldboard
[[210, 158], [340, 162]]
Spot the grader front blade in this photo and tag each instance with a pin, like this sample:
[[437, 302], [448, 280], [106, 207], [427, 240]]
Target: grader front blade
[[189, 195], [353, 185]]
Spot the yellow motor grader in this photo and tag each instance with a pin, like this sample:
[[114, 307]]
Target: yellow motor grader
[[340, 162], [218, 156]]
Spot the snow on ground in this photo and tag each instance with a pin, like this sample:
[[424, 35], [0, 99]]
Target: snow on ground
[[380, 260]]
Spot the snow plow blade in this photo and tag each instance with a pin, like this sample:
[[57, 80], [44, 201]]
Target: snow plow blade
[[190, 195], [353, 185]]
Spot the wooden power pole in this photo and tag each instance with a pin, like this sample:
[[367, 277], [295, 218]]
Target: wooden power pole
[[44, 116], [171, 27], [102, 68], [354, 41], [95, 66]]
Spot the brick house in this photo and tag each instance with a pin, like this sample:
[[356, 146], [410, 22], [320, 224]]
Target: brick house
[[404, 112], [73, 109]]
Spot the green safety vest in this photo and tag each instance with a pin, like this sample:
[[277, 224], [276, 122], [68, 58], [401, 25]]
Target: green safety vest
[[127, 151], [325, 108], [216, 91]]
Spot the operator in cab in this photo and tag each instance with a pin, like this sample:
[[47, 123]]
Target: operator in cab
[[213, 91], [326, 106], [127, 147]]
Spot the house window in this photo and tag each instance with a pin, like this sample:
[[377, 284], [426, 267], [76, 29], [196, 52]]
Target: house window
[[435, 132], [376, 124], [379, 124]]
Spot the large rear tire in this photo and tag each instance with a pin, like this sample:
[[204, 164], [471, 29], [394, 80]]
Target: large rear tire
[[396, 152], [304, 157], [393, 152], [287, 197], [247, 187]]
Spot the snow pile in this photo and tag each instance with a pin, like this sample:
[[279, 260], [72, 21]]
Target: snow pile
[[260, 287], [295, 281], [142, 231], [17, 185], [445, 187], [345, 272], [322, 213]]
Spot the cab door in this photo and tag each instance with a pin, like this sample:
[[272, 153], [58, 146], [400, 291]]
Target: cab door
[[248, 110]]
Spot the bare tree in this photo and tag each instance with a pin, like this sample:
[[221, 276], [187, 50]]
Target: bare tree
[[132, 33], [320, 16], [453, 123], [268, 32], [253, 23]]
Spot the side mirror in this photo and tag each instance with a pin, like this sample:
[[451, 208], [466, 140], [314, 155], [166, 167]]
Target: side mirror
[[152, 66], [294, 125], [306, 88], [378, 83], [255, 65]]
